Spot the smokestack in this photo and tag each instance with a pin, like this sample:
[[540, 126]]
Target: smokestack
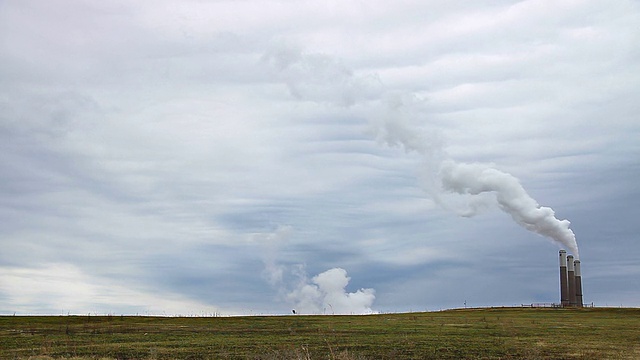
[[572, 280], [578, 279], [564, 289]]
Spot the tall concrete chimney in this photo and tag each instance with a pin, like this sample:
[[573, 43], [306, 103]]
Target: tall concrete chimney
[[578, 279], [572, 280], [564, 289]]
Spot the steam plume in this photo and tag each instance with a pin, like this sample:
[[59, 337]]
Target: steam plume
[[394, 115], [326, 293], [476, 179]]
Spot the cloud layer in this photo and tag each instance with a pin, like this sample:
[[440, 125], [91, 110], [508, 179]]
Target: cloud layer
[[189, 156]]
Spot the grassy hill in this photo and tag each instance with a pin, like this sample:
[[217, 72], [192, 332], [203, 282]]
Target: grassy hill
[[497, 333]]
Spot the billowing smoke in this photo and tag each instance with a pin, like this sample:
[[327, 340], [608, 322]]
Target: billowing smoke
[[476, 179], [326, 293], [395, 117]]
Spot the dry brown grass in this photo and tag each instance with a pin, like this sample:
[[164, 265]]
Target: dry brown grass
[[579, 334]]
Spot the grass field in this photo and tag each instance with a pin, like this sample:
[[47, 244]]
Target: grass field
[[499, 333]]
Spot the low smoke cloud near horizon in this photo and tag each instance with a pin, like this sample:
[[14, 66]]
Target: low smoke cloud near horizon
[[329, 158]]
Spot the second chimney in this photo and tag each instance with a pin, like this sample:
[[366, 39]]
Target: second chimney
[[571, 280]]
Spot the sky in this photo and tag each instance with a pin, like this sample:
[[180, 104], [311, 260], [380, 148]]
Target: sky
[[258, 157]]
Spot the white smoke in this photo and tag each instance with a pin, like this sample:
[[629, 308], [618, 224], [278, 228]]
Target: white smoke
[[323, 294], [477, 181], [394, 116], [271, 242], [326, 293], [511, 197], [320, 78]]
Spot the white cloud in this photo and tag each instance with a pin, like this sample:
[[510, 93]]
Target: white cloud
[[63, 288]]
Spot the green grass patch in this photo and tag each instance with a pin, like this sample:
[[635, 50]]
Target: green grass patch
[[504, 333]]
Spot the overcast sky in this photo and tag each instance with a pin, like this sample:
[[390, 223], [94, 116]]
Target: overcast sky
[[254, 157]]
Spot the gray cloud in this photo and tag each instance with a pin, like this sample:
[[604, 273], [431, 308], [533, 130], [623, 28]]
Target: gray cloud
[[148, 147]]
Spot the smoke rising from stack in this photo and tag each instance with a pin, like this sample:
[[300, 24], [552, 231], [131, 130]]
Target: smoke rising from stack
[[319, 78], [511, 197]]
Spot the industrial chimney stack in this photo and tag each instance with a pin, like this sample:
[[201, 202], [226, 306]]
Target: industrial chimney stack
[[578, 279], [571, 275], [564, 286], [570, 281]]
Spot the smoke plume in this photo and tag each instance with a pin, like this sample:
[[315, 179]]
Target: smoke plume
[[397, 120], [271, 242], [511, 197], [326, 294], [476, 180]]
